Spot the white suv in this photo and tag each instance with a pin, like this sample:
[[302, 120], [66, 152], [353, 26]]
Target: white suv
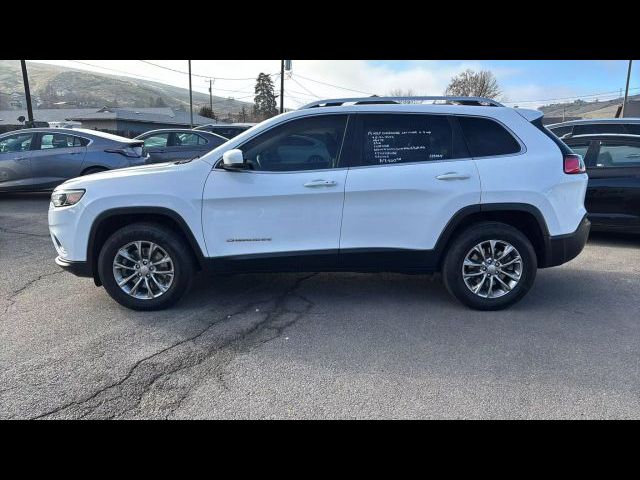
[[481, 192]]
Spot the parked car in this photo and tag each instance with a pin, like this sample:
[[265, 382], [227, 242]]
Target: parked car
[[168, 145], [484, 194], [227, 130], [613, 166], [596, 125], [41, 158]]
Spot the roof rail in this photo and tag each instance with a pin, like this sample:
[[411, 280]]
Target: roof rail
[[336, 102]]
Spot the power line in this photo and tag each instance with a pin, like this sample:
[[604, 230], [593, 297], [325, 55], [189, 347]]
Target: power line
[[163, 81], [197, 75], [571, 98], [299, 84], [335, 86]]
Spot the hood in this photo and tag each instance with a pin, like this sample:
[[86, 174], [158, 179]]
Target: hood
[[122, 174]]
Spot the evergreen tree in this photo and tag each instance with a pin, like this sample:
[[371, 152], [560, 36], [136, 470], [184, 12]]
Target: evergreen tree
[[207, 112], [265, 99]]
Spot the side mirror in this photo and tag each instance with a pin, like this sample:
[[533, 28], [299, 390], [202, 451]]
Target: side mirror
[[233, 159]]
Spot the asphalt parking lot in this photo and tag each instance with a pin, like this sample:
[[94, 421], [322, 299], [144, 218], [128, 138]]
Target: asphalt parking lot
[[315, 345]]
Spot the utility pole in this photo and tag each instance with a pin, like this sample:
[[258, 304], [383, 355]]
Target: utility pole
[[210, 95], [626, 91], [190, 95], [27, 92], [281, 86]]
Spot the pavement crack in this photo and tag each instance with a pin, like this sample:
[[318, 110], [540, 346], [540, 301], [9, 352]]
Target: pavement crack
[[194, 356], [12, 297]]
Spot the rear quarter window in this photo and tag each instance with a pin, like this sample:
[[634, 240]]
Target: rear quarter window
[[561, 145], [487, 138]]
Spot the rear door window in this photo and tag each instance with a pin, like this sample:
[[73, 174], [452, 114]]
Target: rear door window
[[580, 148], [188, 139], [396, 138], [158, 140], [57, 140], [487, 138], [618, 154]]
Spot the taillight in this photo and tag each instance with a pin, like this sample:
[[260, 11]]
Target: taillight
[[573, 164], [136, 151]]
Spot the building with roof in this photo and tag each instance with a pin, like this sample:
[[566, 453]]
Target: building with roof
[[127, 122], [130, 122], [631, 109]]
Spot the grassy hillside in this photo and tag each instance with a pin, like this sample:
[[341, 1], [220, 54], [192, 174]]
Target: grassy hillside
[[595, 109], [51, 84]]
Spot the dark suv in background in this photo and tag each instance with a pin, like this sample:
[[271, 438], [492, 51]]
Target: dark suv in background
[[168, 145], [613, 166], [227, 130], [596, 125]]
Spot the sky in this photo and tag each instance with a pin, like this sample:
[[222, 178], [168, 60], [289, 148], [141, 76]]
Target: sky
[[526, 83]]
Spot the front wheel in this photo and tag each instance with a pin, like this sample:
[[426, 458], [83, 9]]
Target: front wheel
[[490, 266], [145, 266]]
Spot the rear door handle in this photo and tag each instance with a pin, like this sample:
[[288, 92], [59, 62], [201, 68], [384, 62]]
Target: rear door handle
[[453, 176], [321, 183]]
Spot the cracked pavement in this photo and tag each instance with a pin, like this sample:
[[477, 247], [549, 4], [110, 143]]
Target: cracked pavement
[[314, 345]]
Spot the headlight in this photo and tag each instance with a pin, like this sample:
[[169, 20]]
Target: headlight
[[66, 198]]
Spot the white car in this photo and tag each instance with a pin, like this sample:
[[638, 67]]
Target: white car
[[481, 192]]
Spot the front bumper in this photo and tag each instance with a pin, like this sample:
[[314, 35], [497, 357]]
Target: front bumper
[[81, 269], [560, 249]]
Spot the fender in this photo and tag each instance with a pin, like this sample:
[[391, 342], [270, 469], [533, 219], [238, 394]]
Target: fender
[[160, 211], [465, 212]]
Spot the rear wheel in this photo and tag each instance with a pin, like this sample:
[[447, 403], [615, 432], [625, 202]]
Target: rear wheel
[[145, 266], [490, 266]]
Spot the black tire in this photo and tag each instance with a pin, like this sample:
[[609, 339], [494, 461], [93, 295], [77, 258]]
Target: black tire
[[173, 244], [91, 170], [474, 235]]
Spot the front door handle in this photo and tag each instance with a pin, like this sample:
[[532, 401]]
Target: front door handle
[[453, 176], [321, 183], [21, 159]]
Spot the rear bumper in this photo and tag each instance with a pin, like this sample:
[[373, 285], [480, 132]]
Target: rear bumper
[[560, 249], [81, 269]]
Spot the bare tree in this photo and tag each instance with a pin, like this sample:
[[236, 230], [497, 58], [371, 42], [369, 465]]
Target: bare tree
[[398, 92], [474, 84]]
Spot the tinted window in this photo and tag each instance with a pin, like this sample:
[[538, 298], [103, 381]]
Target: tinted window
[[580, 148], [234, 131], [57, 140], [158, 140], [188, 139], [487, 137], [305, 144], [599, 128], [560, 131], [16, 143], [617, 154], [390, 139]]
